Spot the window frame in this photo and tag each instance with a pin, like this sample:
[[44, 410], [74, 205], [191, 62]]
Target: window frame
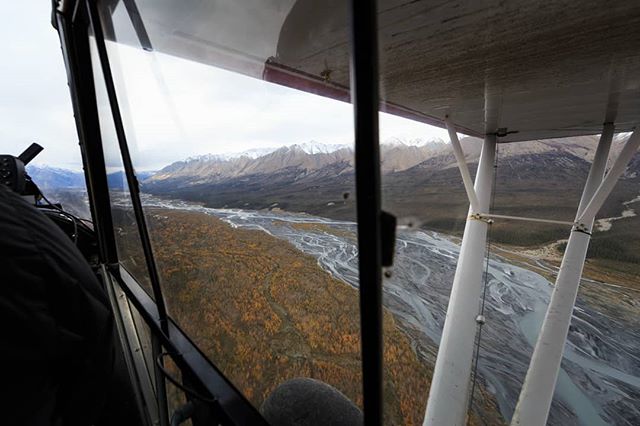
[[73, 19]]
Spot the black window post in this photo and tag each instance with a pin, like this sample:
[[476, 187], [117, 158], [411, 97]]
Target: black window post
[[74, 41], [132, 180], [364, 87]]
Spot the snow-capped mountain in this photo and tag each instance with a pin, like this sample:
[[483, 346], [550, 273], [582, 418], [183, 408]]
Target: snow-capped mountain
[[412, 171], [47, 177], [313, 147], [249, 153], [397, 155], [393, 141]]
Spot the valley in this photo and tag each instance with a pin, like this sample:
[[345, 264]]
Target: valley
[[265, 312], [232, 214], [421, 185], [600, 376]]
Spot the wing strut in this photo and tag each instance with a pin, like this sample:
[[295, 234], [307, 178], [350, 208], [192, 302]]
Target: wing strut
[[537, 392], [448, 397], [462, 165], [605, 188]]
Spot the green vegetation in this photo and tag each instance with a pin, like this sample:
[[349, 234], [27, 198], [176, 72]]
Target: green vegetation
[[562, 247], [620, 244], [612, 248]]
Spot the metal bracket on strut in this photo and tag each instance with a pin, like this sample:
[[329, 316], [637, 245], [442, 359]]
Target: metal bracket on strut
[[480, 217], [581, 227]]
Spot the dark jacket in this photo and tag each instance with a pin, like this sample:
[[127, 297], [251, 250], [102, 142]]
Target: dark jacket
[[56, 327]]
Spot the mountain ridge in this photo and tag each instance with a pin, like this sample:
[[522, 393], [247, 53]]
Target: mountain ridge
[[396, 155], [419, 183]]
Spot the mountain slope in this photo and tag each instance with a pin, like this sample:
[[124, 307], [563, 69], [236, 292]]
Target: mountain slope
[[307, 157], [54, 178], [420, 183], [47, 177]]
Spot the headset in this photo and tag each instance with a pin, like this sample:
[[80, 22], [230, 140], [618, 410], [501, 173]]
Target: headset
[[14, 176]]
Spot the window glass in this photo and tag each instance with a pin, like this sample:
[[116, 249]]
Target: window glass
[[141, 341], [439, 59], [250, 199], [176, 397], [130, 253]]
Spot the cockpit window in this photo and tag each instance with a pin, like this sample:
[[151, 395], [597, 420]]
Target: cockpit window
[[127, 236], [239, 122], [250, 194], [532, 186]]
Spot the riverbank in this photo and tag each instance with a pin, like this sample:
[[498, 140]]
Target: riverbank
[[417, 294]]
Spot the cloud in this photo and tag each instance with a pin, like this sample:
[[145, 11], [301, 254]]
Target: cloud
[[173, 108], [178, 108], [35, 105]]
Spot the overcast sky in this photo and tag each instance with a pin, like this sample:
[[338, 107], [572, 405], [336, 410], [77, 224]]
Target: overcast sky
[[174, 109], [34, 98]]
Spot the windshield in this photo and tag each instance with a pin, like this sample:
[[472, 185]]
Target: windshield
[[240, 126]]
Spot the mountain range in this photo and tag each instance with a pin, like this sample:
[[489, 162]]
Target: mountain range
[[420, 183], [310, 157], [306, 157], [53, 178], [47, 177]]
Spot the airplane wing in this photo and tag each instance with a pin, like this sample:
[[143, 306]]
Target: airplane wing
[[533, 69]]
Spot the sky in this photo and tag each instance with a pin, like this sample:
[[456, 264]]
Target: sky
[[34, 98], [173, 108]]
